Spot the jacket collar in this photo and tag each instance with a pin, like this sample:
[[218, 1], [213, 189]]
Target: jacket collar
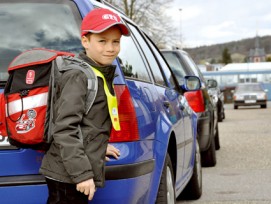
[[108, 71]]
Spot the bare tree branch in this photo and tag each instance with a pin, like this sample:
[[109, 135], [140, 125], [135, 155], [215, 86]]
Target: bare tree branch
[[151, 17]]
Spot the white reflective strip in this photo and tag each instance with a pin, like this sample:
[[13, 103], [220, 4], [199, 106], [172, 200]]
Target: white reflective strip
[[28, 103]]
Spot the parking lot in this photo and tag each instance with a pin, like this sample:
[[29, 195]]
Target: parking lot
[[243, 170]]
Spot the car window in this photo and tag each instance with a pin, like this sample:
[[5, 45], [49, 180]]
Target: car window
[[175, 65], [249, 87], [32, 25], [167, 72], [158, 77], [193, 66], [131, 60], [195, 69]]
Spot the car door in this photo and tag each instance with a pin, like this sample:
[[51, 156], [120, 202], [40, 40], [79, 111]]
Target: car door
[[174, 107], [180, 71]]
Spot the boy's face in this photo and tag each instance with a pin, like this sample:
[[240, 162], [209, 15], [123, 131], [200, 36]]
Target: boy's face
[[103, 47]]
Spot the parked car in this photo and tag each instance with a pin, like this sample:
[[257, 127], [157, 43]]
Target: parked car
[[182, 64], [160, 156], [218, 98], [249, 94]]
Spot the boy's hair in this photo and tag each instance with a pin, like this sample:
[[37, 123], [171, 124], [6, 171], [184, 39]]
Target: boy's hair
[[100, 19]]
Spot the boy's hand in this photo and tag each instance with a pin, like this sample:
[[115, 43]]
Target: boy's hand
[[87, 187], [112, 151]]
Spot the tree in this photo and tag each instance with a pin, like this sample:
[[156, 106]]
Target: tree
[[226, 57], [213, 61], [151, 17]]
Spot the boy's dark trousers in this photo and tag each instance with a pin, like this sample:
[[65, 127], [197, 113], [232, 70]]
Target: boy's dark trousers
[[64, 193]]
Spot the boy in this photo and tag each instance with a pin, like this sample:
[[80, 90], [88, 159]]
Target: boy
[[74, 164]]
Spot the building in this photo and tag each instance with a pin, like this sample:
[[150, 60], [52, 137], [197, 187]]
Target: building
[[257, 54]]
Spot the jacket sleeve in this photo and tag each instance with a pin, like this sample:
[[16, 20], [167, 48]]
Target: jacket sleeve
[[67, 134]]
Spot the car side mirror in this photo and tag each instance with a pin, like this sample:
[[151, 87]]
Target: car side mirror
[[212, 83], [191, 83]]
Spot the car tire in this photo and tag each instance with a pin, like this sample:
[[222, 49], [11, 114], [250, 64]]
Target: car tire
[[208, 157], [220, 113], [263, 106], [220, 117], [166, 191], [193, 190], [235, 107], [217, 141]]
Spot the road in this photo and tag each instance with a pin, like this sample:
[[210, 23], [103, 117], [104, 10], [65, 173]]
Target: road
[[243, 171]]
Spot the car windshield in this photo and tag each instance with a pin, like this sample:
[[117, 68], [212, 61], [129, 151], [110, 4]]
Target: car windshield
[[249, 87], [36, 25]]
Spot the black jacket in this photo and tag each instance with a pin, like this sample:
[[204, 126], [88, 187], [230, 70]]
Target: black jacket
[[77, 152]]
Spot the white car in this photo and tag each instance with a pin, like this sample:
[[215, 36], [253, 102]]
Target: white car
[[249, 94]]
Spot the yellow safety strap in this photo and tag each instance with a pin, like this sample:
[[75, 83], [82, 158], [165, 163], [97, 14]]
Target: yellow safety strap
[[111, 102]]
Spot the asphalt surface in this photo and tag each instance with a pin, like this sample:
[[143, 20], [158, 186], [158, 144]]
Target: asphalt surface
[[243, 171]]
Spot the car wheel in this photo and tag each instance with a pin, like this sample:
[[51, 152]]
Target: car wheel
[[166, 191], [208, 157], [219, 114], [235, 107], [219, 117], [193, 190], [263, 106], [217, 141]]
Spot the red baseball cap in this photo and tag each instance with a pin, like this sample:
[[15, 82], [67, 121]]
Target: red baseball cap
[[99, 20]]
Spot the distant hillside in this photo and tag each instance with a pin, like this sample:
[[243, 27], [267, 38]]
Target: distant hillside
[[238, 50]]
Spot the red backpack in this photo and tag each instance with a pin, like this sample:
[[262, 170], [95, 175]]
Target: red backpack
[[29, 95]]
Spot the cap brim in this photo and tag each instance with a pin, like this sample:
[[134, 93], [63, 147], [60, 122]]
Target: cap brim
[[101, 28]]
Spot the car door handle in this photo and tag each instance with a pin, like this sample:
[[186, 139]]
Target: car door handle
[[166, 104]]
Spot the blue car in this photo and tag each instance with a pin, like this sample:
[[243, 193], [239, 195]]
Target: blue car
[[160, 157]]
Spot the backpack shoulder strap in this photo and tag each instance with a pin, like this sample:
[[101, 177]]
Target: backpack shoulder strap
[[65, 63]]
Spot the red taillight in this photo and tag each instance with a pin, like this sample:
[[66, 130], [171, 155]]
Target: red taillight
[[127, 116], [3, 130], [195, 100]]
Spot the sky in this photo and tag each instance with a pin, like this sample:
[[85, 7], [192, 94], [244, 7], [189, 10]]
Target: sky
[[207, 22]]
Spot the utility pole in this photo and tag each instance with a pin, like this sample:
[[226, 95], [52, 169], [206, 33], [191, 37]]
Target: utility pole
[[181, 41]]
